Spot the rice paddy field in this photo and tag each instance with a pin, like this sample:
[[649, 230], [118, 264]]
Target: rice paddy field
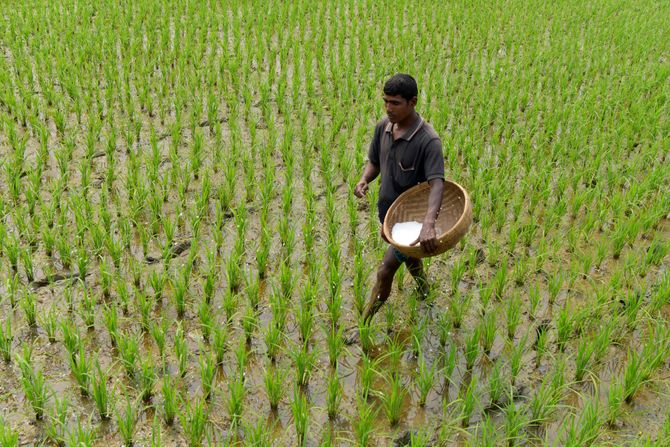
[[181, 252]]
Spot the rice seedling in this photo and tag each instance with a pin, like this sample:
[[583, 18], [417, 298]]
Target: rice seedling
[[8, 437], [146, 378], [515, 357], [468, 401], [583, 429], [487, 332], [583, 357], [208, 368], [194, 420], [55, 429], [81, 369], [33, 382], [516, 420], [393, 398], [256, 435], [99, 391], [28, 306], [471, 349], [181, 350], [363, 423], [513, 314], [82, 434], [424, 379], [87, 307], [128, 349], [300, 408], [126, 421], [6, 340]]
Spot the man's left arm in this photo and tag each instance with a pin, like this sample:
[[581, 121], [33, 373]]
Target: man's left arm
[[434, 169]]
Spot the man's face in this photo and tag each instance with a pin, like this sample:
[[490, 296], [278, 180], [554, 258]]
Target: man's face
[[398, 108]]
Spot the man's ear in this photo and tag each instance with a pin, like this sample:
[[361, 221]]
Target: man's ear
[[412, 102]]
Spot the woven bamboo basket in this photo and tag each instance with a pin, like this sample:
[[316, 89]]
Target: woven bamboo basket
[[452, 222]]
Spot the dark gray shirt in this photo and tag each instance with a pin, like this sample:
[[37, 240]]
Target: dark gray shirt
[[413, 158]]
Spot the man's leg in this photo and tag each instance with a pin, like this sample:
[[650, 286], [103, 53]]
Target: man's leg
[[415, 267], [382, 287]]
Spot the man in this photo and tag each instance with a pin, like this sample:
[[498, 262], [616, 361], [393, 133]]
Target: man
[[406, 151]]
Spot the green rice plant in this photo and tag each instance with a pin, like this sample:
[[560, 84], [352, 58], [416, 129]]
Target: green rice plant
[[220, 342], [71, 337], [274, 386], [335, 343], [157, 281], [564, 327], [180, 292], [333, 395], [146, 378], [459, 308], [230, 303], [194, 419], [263, 251], [159, 332], [443, 326], [28, 267], [82, 370], [554, 286], [236, 393], [126, 422], [273, 337], [249, 323], [615, 400], [257, 435], [534, 298], [583, 429], [583, 357], [424, 379], [393, 399], [457, 271], [305, 320], [471, 349], [206, 318], [500, 280], [56, 425], [252, 289], [81, 435], [28, 306], [304, 362], [369, 369], [123, 293], [468, 401], [87, 307], [515, 357], [631, 307], [208, 368], [111, 319], [129, 352], [105, 278], [496, 386], [417, 332], [242, 357], [516, 420], [513, 314], [181, 350], [363, 421], [541, 341], [170, 404], [33, 382], [300, 409], [8, 437], [99, 391], [6, 340], [487, 332]]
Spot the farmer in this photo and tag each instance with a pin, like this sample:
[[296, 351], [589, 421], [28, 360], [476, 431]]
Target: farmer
[[405, 150]]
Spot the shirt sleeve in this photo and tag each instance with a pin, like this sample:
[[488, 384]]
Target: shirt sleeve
[[373, 151], [433, 163]]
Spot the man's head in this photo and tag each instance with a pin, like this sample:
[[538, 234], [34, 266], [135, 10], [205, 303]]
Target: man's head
[[400, 93]]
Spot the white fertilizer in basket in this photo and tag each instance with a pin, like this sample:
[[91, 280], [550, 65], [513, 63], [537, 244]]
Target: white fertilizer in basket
[[405, 233]]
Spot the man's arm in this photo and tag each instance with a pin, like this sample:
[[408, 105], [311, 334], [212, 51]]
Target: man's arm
[[369, 174], [427, 237]]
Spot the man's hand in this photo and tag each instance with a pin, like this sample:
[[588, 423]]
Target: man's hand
[[427, 238], [361, 188]]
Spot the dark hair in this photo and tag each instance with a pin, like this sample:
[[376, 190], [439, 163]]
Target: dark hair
[[403, 85]]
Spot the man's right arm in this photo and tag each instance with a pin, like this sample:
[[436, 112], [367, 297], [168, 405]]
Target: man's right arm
[[369, 174]]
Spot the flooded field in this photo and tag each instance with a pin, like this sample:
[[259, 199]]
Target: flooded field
[[182, 254]]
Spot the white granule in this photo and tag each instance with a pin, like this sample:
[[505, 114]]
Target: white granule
[[405, 233]]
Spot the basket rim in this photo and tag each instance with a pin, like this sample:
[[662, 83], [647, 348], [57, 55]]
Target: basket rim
[[414, 189]]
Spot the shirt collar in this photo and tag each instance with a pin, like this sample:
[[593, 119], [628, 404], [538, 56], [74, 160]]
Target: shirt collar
[[409, 133]]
